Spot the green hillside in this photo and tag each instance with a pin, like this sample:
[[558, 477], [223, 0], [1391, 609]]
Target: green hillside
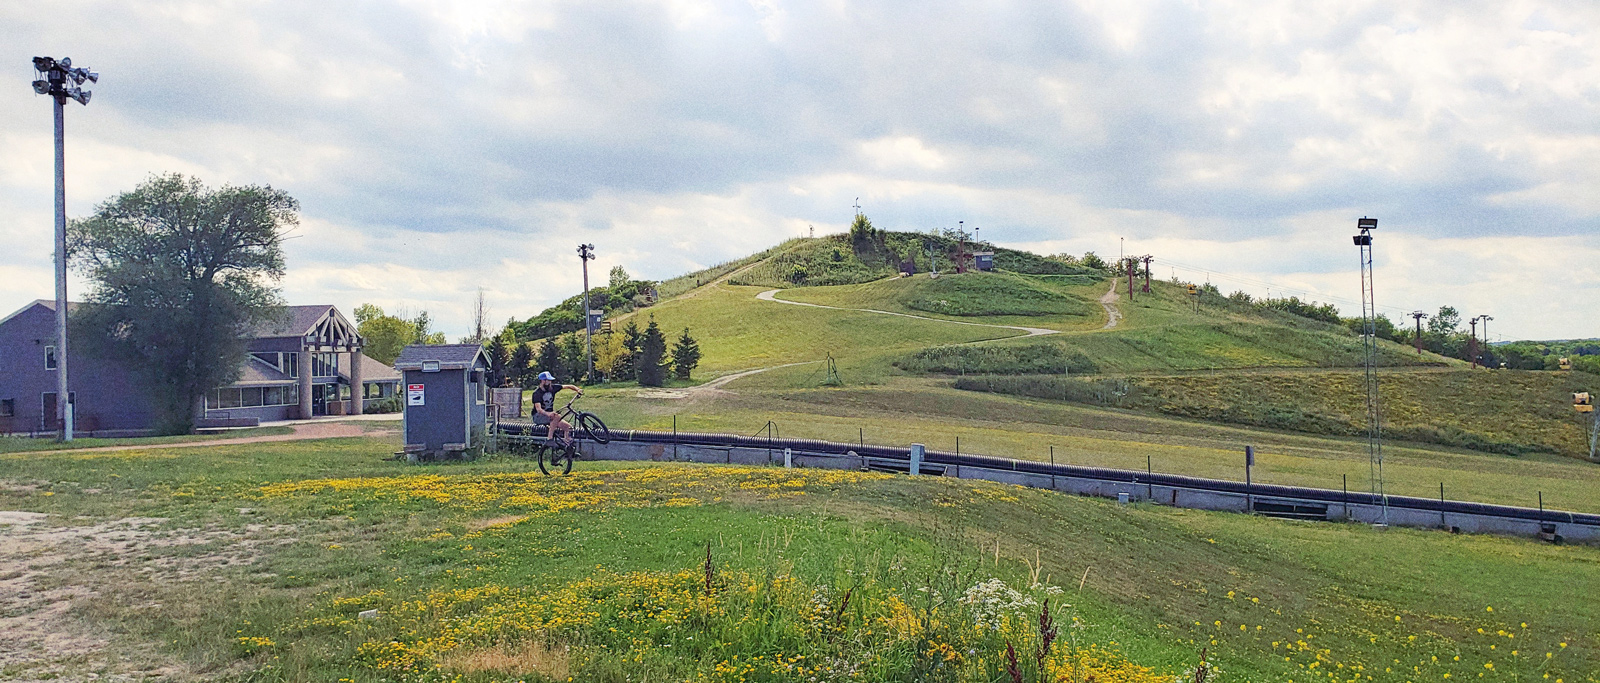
[[837, 260]]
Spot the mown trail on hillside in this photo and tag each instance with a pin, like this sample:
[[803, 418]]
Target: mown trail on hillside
[[1108, 301], [771, 295]]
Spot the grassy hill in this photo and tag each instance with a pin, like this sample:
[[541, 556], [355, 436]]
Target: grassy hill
[[256, 562], [836, 260]]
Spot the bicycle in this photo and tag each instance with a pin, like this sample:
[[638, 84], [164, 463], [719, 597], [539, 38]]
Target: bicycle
[[587, 424]]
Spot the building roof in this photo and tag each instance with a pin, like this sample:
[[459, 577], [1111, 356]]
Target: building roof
[[47, 303], [296, 321], [257, 372], [371, 370], [449, 356]]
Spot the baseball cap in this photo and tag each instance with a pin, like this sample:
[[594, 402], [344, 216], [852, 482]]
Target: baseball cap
[[546, 375]]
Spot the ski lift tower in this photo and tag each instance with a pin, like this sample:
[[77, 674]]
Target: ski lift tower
[[1369, 340]]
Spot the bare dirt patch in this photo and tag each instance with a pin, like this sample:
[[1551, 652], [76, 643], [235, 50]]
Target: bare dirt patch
[[50, 572]]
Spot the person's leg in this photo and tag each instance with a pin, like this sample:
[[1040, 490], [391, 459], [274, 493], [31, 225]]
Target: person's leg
[[566, 431]]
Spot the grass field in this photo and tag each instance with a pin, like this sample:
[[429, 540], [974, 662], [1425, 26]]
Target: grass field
[[996, 298], [897, 414], [251, 563], [1513, 412]]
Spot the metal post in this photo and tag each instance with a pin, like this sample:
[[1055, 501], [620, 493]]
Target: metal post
[[1345, 487], [1249, 462], [1052, 467], [1149, 486], [674, 438], [1541, 501], [917, 451], [1441, 506], [788, 458], [63, 394], [958, 446], [586, 254]]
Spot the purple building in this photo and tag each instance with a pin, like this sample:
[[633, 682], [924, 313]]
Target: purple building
[[301, 366]]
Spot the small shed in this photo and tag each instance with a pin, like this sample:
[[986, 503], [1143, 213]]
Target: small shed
[[984, 260], [446, 398]]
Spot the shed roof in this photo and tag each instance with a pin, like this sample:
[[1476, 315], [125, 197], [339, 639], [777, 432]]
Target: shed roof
[[449, 356]]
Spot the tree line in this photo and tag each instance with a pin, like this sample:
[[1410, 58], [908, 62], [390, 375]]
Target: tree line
[[634, 355]]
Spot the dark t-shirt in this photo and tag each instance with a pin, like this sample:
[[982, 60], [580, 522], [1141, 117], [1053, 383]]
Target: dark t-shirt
[[546, 397]]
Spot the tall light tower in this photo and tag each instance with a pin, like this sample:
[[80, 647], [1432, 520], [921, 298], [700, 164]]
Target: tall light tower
[[1472, 343], [60, 80], [1369, 340], [586, 254]]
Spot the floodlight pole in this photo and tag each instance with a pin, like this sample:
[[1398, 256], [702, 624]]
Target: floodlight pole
[[1416, 340], [586, 254], [59, 81], [1369, 338]]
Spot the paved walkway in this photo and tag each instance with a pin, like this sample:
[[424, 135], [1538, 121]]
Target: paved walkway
[[771, 295]]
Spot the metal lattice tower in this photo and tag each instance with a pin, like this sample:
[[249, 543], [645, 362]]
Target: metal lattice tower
[[1369, 340]]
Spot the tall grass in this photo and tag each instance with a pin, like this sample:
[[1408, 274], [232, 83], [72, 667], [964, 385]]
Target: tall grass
[[684, 283]]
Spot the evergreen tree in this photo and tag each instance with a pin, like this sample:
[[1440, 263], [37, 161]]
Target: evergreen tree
[[632, 340], [652, 356], [520, 371], [573, 361], [550, 360], [685, 355], [499, 362]]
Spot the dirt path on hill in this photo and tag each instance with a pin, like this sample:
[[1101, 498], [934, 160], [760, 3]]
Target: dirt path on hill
[[771, 295], [306, 430], [1108, 301]]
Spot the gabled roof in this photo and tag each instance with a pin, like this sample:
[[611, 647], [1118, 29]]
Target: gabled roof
[[296, 321], [49, 304], [449, 356]]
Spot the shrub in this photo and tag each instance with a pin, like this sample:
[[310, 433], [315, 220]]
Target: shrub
[[979, 294]]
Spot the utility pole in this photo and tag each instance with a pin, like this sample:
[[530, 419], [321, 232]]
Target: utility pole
[[59, 80], [1147, 259], [1369, 314], [1472, 343], [586, 254], [1417, 339], [1485, 320], [1131, 270]]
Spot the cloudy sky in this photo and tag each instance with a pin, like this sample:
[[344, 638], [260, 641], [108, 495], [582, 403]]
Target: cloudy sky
[[439, 147]]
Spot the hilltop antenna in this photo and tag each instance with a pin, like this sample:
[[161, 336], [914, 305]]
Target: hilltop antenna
[[1485, 320], [1369, 340], [1417, 340], [858, 206], [1147, 259], [1472, 343]]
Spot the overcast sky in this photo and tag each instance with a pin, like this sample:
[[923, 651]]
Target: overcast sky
[[438, 147]]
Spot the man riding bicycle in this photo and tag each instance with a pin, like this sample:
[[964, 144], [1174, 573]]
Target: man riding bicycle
[[544, 406]]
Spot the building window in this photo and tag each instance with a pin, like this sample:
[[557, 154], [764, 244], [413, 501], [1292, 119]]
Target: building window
[[252, 397], [8, 407], [292, 362], [325, 365], [49, 357]]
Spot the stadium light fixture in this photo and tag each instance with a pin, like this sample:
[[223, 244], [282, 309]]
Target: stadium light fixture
[[60, 80]]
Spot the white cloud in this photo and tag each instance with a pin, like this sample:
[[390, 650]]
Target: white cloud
[[442, 146]]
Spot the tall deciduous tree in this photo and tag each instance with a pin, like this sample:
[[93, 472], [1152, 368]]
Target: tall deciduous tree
[[179, 273], [651, 363], [685, 355], [387, 334]]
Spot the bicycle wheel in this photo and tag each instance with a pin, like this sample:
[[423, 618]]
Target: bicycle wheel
[[539, 452], [557, 459], [594, 428]]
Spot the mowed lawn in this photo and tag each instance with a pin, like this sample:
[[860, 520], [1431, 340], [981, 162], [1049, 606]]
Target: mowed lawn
[[254, 562], [896, 294]]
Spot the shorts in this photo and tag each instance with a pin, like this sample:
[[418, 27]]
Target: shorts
[[541, 419]]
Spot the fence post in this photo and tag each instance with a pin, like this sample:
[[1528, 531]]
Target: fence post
[[1441, 505], [1052, 467], [917, 451], [1150, 486], [1249, 494], [674, 438], [788, 458]]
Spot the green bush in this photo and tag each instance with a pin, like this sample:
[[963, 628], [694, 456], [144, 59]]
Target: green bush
[[1027, 359]]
